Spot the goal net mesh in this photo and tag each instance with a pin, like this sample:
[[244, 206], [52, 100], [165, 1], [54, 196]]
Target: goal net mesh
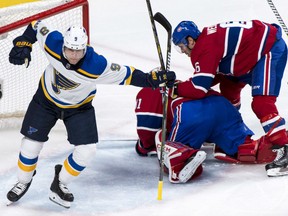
[[18, 83]]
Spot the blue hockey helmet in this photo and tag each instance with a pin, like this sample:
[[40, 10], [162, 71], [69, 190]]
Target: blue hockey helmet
[[183, 30]]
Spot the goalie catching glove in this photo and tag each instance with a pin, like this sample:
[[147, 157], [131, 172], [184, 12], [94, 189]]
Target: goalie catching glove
[[156, 78], [20, 53]]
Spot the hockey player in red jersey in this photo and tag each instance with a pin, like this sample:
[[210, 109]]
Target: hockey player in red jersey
[[244, 52], [190, 123]]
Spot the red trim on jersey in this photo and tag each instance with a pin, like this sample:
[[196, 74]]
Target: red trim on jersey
[[178, 120]]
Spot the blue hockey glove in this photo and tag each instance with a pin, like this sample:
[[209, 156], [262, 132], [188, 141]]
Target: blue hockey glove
[[20, 53]]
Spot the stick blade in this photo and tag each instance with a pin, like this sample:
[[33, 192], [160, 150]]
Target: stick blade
[[160, 18]]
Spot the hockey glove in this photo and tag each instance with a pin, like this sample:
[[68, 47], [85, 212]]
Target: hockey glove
[[174, 91], [20, 53], [155, 79]]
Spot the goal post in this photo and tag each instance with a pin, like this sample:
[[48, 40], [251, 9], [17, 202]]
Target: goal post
[[18, 83]]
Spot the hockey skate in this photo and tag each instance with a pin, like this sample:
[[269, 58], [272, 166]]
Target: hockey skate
[[18, 191], [279, 166], [59, 191], [193, 163], [144, 152]]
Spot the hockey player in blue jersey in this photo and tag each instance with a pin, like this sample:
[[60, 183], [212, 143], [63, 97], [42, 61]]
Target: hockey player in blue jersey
[[190, 123], [66, 90]]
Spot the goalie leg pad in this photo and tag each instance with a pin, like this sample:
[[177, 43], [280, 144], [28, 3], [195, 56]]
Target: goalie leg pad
[[256, 151], [191, 166], [221, 155], [247, 152], [265, 151], [252, 151], [182, 162]]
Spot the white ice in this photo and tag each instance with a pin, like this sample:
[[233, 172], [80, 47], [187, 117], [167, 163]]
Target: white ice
[[120, 183]]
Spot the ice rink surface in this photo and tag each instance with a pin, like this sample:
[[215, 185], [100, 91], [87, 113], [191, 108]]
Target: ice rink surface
[[120, 183]]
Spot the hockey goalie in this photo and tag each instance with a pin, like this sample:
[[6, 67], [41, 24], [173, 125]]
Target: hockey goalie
[[190, 123]]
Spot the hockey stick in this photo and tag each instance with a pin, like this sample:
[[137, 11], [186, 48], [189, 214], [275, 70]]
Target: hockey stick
[[155, 35], [164, 22], [277, 15]]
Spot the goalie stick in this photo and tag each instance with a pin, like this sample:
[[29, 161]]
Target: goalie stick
[[277, 15], [165, 23]]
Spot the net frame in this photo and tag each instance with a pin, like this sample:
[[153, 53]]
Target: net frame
[[55, 8], [48, 13]]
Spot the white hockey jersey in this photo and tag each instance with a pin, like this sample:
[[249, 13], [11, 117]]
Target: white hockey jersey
[[68, 86]]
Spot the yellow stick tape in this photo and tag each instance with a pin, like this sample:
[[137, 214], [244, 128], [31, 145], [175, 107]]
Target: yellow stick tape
[[160, 187], [7, 3]]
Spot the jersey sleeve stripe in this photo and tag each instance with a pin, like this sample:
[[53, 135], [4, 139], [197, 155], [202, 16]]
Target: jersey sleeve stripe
[[149, 114], [148, 129], [202, 81], [128, 77], [87, 74], [152, 122]]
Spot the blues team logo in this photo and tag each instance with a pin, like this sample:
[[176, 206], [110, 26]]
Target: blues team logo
[[32, 130], [61, 82]]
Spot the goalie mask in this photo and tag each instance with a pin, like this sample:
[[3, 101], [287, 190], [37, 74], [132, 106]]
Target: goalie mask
[[75, 38]]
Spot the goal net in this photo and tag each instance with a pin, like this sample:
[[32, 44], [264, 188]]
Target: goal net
[[18, 83]]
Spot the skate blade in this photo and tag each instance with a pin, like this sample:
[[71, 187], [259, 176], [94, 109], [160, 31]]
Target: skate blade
[[56, 199], [277, 172], [190, 168]]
